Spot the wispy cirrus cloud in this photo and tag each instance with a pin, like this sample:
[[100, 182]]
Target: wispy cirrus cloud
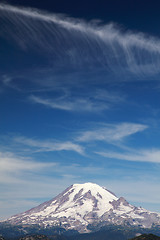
[[11, 163], [111, 97], [151, 156], [6, 80], [49, 145], [102, 44], [14, 169], [111, 132], [93, 103], [9, 81]]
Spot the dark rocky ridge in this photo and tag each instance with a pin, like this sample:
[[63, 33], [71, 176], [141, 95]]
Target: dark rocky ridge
[[146, 237]]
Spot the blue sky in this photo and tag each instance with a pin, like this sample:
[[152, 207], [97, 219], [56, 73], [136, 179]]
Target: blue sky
[[79, 91]]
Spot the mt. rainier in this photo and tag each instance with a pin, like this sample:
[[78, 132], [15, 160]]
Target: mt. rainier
[[83, 204]]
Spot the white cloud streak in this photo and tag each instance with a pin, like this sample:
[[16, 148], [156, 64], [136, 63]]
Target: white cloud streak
[[76, 104], [112, 133], [49, 146], [152, 156], [12, 166], [15, 170], [11, 163], [95, 101], [79, 42]]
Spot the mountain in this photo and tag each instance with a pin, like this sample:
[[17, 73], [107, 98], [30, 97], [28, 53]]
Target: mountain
[[146, 237], [84, 205], [1, 238], [35, 237], [40, 237], [95, 236]]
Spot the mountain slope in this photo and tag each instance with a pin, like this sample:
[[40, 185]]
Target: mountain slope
[[146, 237], [84, 204]]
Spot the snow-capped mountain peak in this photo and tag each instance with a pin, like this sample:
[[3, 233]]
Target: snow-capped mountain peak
[[83, 204]]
